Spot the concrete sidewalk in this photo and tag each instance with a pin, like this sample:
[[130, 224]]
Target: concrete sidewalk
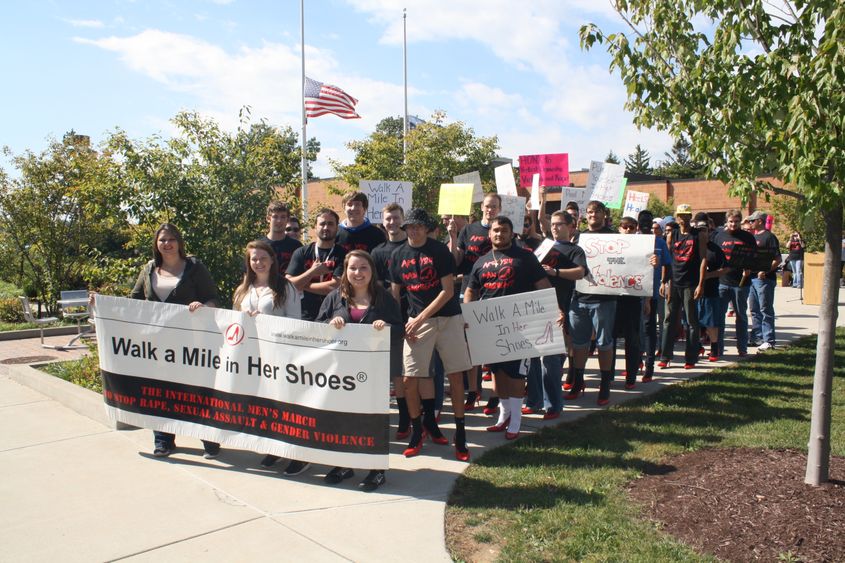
[[73, 489]]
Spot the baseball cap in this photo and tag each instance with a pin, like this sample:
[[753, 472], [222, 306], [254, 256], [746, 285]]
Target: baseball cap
[[756, 215], [684, 209]]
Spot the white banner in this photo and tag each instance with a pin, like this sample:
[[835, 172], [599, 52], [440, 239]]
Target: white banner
[[618, 264], [579, 195], [513, 327], [291, 388], [382, 192], [473, 178]]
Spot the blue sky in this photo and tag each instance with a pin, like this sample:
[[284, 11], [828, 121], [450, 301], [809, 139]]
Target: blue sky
[[504, 68]]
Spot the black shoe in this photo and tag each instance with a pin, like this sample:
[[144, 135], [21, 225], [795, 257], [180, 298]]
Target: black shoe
[[338, 474], [211, 451], [754, 343], [372, 481], [162, 451], [269, 460], [296, 467]]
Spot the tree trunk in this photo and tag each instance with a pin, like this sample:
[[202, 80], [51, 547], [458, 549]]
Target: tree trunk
[[818, 448]]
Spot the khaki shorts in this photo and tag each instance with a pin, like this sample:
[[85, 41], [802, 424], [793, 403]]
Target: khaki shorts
[[446, 334]]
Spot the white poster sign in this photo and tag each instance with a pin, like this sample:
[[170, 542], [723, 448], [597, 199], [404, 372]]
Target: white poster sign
[[605, 181], [535, 192], [579, 195], [513, 327], [634, 203], [473, 178], [513, 208], [505, 184], [291, 388], [382, 192], [544, 248], [618, 264]]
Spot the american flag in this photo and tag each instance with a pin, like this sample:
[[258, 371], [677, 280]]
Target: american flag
[[321, 99]]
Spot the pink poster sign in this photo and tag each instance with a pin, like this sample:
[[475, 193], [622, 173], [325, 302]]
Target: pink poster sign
[[552, 168]]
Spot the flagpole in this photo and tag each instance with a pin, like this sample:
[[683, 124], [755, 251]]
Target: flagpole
[[405, 56], [304, 164]]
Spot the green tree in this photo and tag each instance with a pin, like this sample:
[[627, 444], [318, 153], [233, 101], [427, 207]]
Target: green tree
[[639, 161], [212, 184], [612, 158], [758, 90], [436, 152], [60, 207], [679, 163]]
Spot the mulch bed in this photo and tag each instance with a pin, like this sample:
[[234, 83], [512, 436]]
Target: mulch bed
[[27, 360], [748, 504]]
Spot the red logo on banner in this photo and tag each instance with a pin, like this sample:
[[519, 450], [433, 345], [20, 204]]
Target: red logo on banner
[[234, 334]]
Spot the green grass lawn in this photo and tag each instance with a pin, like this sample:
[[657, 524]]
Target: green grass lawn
[[560, 495]]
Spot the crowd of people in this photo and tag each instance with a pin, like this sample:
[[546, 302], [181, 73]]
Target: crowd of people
[[410, 274]]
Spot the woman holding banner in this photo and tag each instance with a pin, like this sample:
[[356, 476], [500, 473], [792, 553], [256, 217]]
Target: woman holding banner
[[360, 298], [265, 291], [174, 277]]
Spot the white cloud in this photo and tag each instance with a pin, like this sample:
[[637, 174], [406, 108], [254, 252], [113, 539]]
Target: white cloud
[[86, 23]]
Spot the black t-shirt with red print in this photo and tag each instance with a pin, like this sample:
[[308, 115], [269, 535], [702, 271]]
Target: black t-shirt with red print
[[284, 250], [728, 241], [419, 270], [364, 237], [505, 272], [473, 241], [302, 259], [564, 256], [686, 258]]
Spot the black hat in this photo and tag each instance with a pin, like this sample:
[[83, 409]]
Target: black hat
[[419, 216]]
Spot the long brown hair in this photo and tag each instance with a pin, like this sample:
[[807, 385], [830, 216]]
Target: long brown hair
[[169, 228], [346, 290], [276, 283]]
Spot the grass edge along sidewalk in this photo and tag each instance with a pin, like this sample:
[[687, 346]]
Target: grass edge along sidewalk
[[560, 494]]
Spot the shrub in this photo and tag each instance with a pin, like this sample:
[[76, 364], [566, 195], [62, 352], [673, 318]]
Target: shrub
[[84, 372], [11, 310], [9, 290]]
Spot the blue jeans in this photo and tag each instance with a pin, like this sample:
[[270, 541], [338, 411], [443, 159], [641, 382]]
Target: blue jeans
[[544, 375], [739, 297], [762, 300], [584, 318], [797, 273]]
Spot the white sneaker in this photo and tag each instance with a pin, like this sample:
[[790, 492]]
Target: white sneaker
[[765, 346]]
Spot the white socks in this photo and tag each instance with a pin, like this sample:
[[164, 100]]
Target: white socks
[[516, 414], [504, 411]]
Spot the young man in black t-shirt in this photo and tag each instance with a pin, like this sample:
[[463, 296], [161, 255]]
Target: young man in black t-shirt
[[278, 215], [564, 263], [709, 305], [426, 268], [739, 248], [592, 313], [316, 269], [392, 216], [506, 270], [761, 299], [688, 246], [356, 231]]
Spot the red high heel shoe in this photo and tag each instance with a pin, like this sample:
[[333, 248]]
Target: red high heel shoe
[[471, 403], [499, 427], [401, 435], [511, 435], [689, 366], [663, 364], [461, 456], [573, 394], [602, 402], [411, 452], [567, 386], [439, 440]]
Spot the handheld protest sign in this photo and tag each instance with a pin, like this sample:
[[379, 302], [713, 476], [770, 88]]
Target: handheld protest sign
[[455, 199], [473, 178], [382, 192], [505, 184]]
